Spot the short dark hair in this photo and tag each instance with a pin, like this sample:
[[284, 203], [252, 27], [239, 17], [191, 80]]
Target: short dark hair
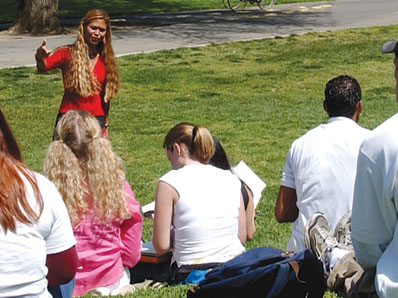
[[342, 95]]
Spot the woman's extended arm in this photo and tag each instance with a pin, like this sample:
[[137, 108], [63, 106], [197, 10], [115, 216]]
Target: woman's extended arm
[[166, 196]]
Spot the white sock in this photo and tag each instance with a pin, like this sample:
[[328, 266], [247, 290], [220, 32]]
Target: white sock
[[336, 255]]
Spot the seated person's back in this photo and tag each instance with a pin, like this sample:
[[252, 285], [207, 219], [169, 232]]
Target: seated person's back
[[34, 227], [205, 218], [321, 165], [201, 202], [105, 215], [221, 160]]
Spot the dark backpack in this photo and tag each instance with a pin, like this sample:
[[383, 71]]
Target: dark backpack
[[264, 272]]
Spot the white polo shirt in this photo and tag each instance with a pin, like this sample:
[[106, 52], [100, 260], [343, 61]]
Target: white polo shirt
[[374, 220], [321, 167]]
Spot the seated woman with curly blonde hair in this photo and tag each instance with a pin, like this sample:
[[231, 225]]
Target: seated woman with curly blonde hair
[[105, 215]]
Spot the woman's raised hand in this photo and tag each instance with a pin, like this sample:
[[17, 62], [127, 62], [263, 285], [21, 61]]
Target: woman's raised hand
[[42, 51]]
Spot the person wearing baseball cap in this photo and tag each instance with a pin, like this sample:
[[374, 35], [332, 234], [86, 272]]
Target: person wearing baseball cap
[[373, 271], [392, 47]]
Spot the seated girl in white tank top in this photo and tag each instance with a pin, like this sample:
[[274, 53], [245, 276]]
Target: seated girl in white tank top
[[201, 203]]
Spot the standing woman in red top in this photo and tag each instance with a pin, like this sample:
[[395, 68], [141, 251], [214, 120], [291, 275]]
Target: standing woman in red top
[[88, 67]]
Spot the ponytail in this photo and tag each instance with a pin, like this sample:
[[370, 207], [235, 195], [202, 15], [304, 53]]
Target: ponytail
[[197, 139], [202, 144]]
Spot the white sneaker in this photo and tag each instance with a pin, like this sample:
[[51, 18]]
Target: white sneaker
[[100, 291], [126, 289], [342, 232], [319, 239]]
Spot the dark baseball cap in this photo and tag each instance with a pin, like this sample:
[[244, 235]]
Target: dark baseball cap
[[390, 47]]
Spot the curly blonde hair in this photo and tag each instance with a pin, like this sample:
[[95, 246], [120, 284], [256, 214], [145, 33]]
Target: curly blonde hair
[[78, 76], [82, 165]]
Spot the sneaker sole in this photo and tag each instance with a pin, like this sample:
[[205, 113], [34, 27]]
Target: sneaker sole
[[343, 222], [311, 222]]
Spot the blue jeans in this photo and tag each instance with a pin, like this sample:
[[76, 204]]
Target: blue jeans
[[62, 291]]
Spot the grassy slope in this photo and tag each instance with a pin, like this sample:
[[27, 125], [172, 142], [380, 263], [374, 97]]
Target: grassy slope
[[256, 97]]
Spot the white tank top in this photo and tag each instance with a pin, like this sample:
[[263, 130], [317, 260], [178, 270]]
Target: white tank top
[[205, 217]]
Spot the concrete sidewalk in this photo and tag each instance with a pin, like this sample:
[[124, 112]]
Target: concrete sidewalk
[[144, 33]]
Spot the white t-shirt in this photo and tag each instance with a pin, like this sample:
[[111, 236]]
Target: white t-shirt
[[23, 254], [374, 222], [206, 215], [321, 167]]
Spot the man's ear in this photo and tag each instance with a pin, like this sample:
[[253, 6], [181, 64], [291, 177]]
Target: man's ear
[[324, 106], [358, 111], [359, 107]]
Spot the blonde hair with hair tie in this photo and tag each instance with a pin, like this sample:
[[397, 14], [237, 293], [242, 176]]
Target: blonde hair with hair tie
[[197, 139], [82, 165]]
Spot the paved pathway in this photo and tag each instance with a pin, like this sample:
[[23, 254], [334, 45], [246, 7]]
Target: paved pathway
[[134, 34]]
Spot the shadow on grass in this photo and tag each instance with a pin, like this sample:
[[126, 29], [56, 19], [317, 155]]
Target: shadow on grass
[[121, 7], [77, 8]]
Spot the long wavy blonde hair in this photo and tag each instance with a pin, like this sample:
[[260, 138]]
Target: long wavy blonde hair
[[78, 76], [85, 170]]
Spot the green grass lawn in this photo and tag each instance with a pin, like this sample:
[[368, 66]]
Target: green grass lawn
[[77, 8], [256, 97]]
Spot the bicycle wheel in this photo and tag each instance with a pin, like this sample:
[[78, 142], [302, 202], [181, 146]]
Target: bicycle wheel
[[265, 4], [236, 5], [225, 3]]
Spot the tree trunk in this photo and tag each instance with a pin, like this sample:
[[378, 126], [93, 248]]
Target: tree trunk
[[37, 16]]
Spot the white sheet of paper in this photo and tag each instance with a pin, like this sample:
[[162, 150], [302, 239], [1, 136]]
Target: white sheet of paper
[[150, 207], [246, 174], [147, 248]]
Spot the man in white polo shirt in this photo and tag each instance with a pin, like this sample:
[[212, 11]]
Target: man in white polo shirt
[[373, 270], [321, 165]]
